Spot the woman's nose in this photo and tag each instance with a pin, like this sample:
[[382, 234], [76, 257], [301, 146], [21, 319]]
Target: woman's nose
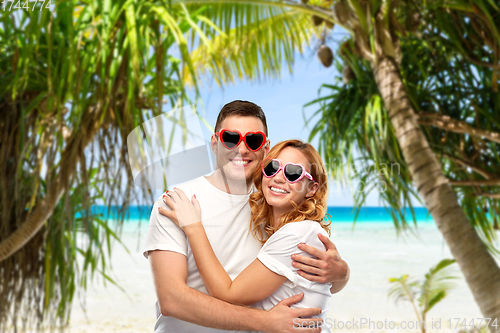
[[278, 178]]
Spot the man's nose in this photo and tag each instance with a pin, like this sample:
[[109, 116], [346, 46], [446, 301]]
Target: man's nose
[[242, 148]]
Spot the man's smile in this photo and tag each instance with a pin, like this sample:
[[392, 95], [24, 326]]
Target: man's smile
[[241, 162]]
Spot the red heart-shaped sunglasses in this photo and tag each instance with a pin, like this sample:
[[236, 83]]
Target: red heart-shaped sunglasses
[[232, 138]]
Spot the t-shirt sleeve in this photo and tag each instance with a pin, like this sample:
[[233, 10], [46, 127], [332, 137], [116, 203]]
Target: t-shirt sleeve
[[276, 254], [163, 233]]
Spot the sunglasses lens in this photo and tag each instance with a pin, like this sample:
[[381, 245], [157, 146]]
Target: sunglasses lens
[[230, 139], [293, 172], [254, 140], [271, 168]]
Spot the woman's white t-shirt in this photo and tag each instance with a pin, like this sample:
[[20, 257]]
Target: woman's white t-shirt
[[276, 255]]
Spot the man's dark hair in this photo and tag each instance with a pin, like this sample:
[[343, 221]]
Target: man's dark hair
[[242, 109]]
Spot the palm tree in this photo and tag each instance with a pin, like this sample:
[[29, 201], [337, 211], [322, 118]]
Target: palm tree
[[426, 293], [75, 82], [403, 70]]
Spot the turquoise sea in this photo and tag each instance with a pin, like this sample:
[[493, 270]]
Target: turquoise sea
[[338, 214]]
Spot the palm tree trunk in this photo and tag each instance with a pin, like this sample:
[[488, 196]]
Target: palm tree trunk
[[43, 210], [479, 268]]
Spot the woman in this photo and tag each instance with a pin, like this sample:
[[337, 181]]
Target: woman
[[288, 208]]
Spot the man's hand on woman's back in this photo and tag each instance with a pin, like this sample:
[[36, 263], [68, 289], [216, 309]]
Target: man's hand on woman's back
[[283, 319]]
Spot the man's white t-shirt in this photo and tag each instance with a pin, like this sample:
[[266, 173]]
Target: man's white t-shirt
[[226, 219]]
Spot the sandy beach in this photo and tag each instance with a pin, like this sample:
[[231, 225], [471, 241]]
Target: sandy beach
[[373, 252]]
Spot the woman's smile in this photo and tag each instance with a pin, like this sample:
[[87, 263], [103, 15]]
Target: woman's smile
[[276, 190]]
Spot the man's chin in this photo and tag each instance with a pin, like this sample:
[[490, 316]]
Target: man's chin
[[237, 174]]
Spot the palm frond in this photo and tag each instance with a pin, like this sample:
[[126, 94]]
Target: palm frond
[[257, 47], [436, 284]]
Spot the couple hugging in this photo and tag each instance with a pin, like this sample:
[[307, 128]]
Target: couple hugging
[[246, 248]]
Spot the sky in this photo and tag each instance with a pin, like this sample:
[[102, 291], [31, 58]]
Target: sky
[[283, 101]]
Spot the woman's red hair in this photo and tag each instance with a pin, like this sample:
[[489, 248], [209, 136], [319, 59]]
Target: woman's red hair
[[313, 208]]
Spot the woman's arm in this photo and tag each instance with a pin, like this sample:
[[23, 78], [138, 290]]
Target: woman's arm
[[255, 283]]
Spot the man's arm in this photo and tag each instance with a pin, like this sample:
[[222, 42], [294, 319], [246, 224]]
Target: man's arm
[[328, 267], [178, 300]]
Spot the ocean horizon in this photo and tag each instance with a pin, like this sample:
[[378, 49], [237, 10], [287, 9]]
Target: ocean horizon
[[368, 214]]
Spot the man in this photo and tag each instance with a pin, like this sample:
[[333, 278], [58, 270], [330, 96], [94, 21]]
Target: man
[[183, 304]]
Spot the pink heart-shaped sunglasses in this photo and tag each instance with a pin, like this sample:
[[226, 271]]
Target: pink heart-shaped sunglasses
[[292, 172]]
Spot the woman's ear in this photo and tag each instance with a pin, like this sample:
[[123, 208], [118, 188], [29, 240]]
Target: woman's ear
[[312, 190]]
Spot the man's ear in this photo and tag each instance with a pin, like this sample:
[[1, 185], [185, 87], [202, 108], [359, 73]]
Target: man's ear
[[213, 143], [267, 147]]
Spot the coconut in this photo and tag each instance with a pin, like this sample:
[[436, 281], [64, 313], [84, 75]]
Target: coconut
[[341, 12], [329, 25], [348, 49], [325, 55], [317, 20], [347, 74]]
